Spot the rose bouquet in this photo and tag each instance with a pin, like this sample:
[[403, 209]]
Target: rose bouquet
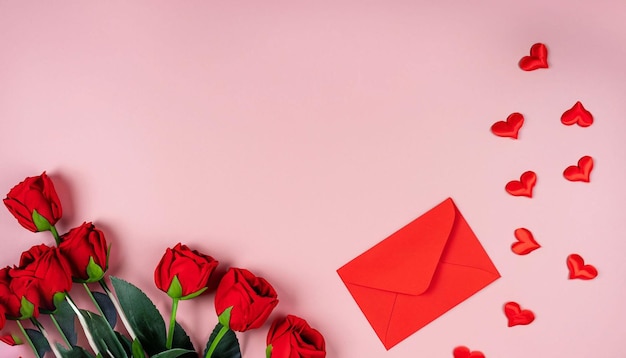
[[124, 323]]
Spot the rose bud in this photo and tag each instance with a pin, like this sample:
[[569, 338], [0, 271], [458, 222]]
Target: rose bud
[[86, 250], [43, 277], [243, 301], [34, 203], [11, 339], [292, 337], [183, 273]]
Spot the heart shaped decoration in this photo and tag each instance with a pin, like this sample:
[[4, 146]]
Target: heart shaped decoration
[[538, 58], [464, 352], [510, 128], [516, 315], [578, 269], [525, 242], [581, 171], [577, 115], [524, 186]]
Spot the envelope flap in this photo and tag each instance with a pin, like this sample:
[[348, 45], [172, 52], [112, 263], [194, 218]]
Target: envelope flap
[[406, 261]]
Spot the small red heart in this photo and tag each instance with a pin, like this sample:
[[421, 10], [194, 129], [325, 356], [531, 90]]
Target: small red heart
[[581, 171], [578, 269], [577, 115], [538, 58], [524, 186], [464, 352], [516, 315], [510, 128], [526, 242]]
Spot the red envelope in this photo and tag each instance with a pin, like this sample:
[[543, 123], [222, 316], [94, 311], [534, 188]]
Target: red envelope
[[418, 273]]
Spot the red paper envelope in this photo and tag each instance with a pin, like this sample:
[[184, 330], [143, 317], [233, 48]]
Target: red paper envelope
[[418, 273]]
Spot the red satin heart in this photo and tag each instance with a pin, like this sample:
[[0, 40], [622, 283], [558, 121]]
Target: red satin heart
[[510, 128], [578, 269], [464, 352], [526, 242], [538, 58], [524, 186], [516, 315], [577, 115], [580, 172]]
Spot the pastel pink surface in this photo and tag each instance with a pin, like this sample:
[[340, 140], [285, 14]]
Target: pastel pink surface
[[288, 137]]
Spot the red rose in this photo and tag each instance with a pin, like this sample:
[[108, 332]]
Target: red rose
[[252, 299], [86, 250], [43, 272], [292, 337], [3, 317], [34, 203], [183, 273], [11, 340], [8, 300]]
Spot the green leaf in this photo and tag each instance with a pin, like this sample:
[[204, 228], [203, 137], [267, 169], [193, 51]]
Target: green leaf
[[17, 338], [227, 345], [94, 271], [174, 353], [142, 316], [194, 294], [26, 308], [181, 339], [137, 350], [108, 256], [66, 317], [224, 317], [39, 341], [106, 305], [104, 337], [57, 299], [126, 343], [74, 352], [40, 222], [176, 289], [268, 351]]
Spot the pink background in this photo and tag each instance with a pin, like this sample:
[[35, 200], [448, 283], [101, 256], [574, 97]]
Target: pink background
[[288, 137]]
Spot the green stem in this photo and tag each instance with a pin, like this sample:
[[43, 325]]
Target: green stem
[[56, 324], [216, 341], [118, 308], [93, 299], [83, 323], [170, 333], [30, 342], [55, 233]]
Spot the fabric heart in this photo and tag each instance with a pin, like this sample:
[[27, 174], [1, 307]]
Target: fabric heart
[[577, 115], [538, 58], [516, 315], [525, 242], [510, 128], [524, 186], [581, 171], [578, 269], [464, 352]]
